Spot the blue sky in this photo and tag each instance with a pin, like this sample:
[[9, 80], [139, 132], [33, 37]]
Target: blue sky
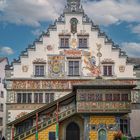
[[22, 21]]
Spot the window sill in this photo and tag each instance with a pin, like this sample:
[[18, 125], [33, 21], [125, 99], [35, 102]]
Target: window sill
[[74, 75], [39, 75], [83, 48], [64, 47], [108, 75]]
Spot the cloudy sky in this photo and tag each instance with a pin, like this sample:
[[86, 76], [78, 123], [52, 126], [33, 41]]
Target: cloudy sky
[[22, 21]]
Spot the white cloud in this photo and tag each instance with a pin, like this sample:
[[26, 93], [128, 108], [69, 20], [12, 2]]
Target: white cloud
[[31, 12], [136, 29], [2, 4], [36, 32], [107, 12], [131, 48], [103, 12], [6, 51]]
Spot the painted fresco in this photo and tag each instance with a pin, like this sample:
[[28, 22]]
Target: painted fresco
[[45, 84], [91, 67], [56, 66], [103, 106]]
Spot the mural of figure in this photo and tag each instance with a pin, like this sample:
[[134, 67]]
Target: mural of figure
[[90, 65]]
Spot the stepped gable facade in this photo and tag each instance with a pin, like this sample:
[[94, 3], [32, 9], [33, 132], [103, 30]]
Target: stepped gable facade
[[72, 52]]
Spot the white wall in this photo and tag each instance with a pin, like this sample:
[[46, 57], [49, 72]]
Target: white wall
[[3, 100], [42, 52]]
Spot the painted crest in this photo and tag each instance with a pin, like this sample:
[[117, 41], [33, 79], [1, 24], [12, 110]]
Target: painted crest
[[56, 66], [121, 68], [73, 43], [25, 68]]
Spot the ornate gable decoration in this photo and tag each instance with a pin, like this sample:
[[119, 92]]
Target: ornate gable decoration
[[107, 61], [74, 23], [39, 61], [73, 53]]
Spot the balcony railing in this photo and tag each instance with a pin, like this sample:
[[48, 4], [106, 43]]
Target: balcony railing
[[43, 125]]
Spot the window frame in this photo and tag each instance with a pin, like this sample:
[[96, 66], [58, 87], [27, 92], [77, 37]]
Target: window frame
[[68, 68], [20, 100], [83, 46], [60, 42], [1, 121], [1, 107], [107, 70], [122, 124], [39, 65], [50, 96], [39, 97], [2, 94]]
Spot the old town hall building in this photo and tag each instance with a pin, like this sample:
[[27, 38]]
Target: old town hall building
[[73, 82]]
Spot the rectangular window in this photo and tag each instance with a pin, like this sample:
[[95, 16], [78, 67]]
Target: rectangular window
[[108, 97], [107, 70], [39, 70], [64, 42], [1, 107], [49, 97], [2, 94], [73, 68], [24, 97], [124, 126], [116, 97], [38, 97], [124, 97], [1, 121], [98, 97], [83, 42], [51, 135], [19, 98], [29, 100]]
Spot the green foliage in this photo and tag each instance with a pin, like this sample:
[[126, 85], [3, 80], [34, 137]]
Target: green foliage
[[124, 138]]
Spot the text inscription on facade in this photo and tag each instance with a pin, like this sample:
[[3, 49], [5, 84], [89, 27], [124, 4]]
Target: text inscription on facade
[[95, 100]]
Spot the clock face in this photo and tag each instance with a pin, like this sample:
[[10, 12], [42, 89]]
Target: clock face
[[56, 68]]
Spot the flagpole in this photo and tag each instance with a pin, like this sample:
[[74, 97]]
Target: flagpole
[[57, 122], [36, 135]]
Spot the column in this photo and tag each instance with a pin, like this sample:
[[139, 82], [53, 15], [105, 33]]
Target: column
[[86, 127]]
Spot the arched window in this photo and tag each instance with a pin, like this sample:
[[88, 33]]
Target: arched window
[[73, 22], [73, 131], [102, 134]]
